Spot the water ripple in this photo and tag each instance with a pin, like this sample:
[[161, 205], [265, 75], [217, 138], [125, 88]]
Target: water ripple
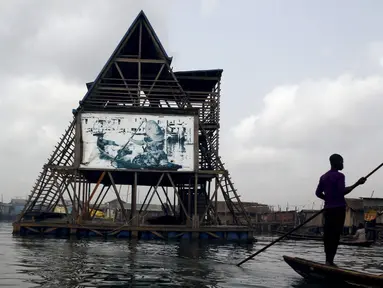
[[49, 262]]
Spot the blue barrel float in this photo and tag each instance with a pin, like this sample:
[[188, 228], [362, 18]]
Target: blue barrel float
[[232, 236]]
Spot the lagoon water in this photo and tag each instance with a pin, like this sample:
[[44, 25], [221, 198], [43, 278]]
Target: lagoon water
[[49, 262]]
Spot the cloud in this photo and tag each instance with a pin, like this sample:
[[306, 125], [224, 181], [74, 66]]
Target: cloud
[[34, 113], [285, 146], [49, 50], [208, 7], [375, 54], [72, 39]]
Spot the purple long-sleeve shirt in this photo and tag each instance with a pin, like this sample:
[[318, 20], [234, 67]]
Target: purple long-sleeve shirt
[[331, 189]]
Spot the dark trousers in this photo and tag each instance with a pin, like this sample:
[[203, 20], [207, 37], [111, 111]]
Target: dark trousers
[[333, 227], [370, 230]]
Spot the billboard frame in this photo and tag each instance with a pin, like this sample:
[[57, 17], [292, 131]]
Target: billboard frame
[[79, 143]]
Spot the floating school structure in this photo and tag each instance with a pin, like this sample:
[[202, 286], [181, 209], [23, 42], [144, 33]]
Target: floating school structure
[[139, 124]]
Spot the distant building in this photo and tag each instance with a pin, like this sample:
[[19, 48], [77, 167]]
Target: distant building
[[279, 217], [5, 210], [285, 217], [113, 210], [354, 214], [372, 208], [17, 205], [255, 211], [254, 208], [305, 214]]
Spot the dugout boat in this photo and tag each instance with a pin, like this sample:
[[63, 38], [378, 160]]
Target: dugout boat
[[344, 242], [296, 236], [313, 270], [366, 243]]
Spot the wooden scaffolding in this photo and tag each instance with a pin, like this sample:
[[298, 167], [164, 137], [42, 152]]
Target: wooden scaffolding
[[138, 78]]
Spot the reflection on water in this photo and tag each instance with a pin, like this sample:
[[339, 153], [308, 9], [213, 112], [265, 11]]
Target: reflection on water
[[39, 262]]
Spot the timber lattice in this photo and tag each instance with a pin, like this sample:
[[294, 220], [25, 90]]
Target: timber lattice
[[138, 77]]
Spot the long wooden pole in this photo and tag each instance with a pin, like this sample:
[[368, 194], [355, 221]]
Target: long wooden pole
[[373, 171], [296, 228], [280, 238]]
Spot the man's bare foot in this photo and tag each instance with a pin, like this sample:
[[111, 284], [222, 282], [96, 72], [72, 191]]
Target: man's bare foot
[[331, 264]]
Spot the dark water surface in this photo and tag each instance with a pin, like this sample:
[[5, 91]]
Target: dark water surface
[[39, 262]]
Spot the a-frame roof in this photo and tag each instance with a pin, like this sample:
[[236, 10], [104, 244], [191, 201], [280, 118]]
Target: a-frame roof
[[138, 73]]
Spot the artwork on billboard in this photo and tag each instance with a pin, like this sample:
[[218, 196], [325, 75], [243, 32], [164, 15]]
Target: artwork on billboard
[[137, 141]]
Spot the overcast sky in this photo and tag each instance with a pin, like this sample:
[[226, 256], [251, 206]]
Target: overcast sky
[[302, 80]]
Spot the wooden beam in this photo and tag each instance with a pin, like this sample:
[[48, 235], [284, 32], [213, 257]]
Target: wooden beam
[[78, 150], [95, 203], [195, 194], [158, 234], [77, 207], [137, 60], [61, 195], [213, 235], [154, 83], [71, 169], [86, 205], [178, 195], [217, 181], [123, 79], [139, 63], [146, 198], [133, 206], [154, 191], [69, 192], [208, 78], [200, 172], [102, 199], [159, 198], [95, 188], [168, 201], [189, 198], [118, 196], [210, 203]]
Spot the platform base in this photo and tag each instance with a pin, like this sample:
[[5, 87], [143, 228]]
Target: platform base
[[143, 232]]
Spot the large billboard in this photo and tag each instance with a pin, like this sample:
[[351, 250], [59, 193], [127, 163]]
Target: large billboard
[[138, 141]]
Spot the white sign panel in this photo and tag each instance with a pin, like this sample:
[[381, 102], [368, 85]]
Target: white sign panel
[[137, 141]]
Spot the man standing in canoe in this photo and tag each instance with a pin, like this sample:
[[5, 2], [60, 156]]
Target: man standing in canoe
[[332, 189]]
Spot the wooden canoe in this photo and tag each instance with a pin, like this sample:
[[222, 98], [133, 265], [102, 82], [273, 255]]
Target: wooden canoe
[[302, 236], [320, 238], [313, 270], [356, 243]]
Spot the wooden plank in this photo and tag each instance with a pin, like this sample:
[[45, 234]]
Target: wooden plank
[[137, 60], [78, 142], [118, 197], [133, 206], [49, 230], [196, 144], [213, 235], [158, 234], [154, 191], [148, 110], [32, 229], [99, 204], [97, 232], [178, 195], [162, 228], [94, 191], [122, 76], [210, 201], [200, 172]]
